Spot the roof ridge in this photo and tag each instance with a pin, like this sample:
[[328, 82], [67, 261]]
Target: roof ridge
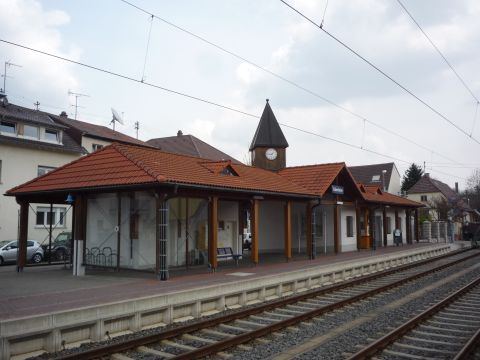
[[389, 163], [314, 165], [139, 163]]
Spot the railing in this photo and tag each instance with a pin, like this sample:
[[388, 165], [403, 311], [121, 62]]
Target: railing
[[104, 257]]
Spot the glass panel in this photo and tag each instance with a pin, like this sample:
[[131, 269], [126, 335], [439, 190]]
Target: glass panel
[[30, 131], [7, 127], [40, 218], [51, 135], [102, 228]]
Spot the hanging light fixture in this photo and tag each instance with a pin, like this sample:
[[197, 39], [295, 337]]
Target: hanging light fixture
[[70, 199]]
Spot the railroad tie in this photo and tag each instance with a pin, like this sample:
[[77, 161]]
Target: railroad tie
[[178, 346], [198, 338], [151, 351]]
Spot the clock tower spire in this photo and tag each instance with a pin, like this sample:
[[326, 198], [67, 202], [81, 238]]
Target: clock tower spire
[[268, 148]]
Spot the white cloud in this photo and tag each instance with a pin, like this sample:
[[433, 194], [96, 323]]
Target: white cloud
[[27, 22]]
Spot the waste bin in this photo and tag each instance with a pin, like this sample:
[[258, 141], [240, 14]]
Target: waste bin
[[397, 237]]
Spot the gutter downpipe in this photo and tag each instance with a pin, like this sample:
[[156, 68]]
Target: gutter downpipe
[[313, 244]]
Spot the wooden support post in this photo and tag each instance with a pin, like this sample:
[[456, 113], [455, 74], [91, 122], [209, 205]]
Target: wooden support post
[[23, 235], [254, 226], [397, 225], [407, 226], [357, 224], [119, 225], [308, 230], [417, 229], [336, 237], [384, 215], [79, 224], [288, 230], [213, 232]]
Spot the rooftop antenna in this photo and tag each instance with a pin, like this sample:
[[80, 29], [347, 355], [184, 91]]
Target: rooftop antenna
[[37, 105], [77, 95], [5, 74], [116, 117], [137, 126]]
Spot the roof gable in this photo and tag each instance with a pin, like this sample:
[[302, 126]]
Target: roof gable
[[426, 184], [316, 178], [372, 174], [268, 133]]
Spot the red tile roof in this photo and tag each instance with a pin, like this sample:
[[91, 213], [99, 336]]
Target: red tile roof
[[373, 193], [120, 164], [316, 178]]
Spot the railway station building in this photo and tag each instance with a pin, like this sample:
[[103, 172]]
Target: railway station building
[[140, 208]]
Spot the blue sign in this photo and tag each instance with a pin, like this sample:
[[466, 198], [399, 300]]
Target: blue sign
[[337, 189]]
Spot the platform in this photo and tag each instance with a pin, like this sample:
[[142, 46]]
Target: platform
[[44, 306]]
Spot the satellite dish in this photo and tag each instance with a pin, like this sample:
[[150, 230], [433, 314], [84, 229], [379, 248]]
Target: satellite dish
[[116, 116]]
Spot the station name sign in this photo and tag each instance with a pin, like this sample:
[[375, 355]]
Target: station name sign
[[337, 190]]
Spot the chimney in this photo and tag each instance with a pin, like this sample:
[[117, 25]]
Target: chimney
[[179, 133], [427, 175], [63, 114], [456, 187]]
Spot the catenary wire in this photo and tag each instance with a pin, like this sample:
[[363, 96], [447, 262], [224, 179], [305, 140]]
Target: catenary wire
[[411, 93], [282, 78], [125, 77], [148, 45], [438, 51]]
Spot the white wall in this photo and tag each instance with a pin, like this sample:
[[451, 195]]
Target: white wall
[[20, 165], [271, 226], [88, 142], [394, 186], [348, 243]]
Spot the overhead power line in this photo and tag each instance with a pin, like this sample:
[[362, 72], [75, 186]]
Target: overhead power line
[[196, 98], [284, 79], [438, 51], [368, 62]]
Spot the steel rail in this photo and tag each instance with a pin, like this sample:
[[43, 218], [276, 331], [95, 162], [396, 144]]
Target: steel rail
[[108, 349], [380, 344], [466, 352]]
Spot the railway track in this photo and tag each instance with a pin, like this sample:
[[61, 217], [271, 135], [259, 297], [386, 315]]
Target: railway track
[[214, 335], [450, 329]]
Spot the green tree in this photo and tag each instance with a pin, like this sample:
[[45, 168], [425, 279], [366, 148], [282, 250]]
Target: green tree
[[411, 176], [472, 192]]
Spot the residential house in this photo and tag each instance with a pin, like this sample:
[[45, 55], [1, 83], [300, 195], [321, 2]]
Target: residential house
[[32, 143], [441, 201], [385, 176]]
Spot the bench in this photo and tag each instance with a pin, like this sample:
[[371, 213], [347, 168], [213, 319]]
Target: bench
[[226, 253]]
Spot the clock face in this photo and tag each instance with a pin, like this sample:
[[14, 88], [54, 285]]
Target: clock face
[[271, 154]]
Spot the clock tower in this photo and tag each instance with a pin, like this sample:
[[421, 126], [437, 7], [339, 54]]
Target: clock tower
[[268, 148]]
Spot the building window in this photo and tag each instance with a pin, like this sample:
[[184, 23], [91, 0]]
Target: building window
[[45, 217], [423, 197], [8, 128], [30, 131], [389, 225], [349, 226], [96, 147], [51, 135], [42, 170]]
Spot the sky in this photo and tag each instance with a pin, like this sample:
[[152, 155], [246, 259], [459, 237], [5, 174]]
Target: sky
[[363, 108]]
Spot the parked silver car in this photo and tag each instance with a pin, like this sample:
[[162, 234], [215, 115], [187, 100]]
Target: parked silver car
[[9, 249]]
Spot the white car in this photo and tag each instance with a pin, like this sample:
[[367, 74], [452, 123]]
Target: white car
[[9, 250]]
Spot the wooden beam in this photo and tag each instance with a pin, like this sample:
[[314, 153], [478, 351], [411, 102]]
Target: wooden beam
[[288, 230], [213, 232], [336, 237], [384, 215], [357, 224], [408, 226], [308, 230], [23, 235], [396, 220], [417, 229], [254, 226]]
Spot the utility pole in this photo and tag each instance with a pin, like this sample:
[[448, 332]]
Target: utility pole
[[77, 95], [137, 126], [5, 74]]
